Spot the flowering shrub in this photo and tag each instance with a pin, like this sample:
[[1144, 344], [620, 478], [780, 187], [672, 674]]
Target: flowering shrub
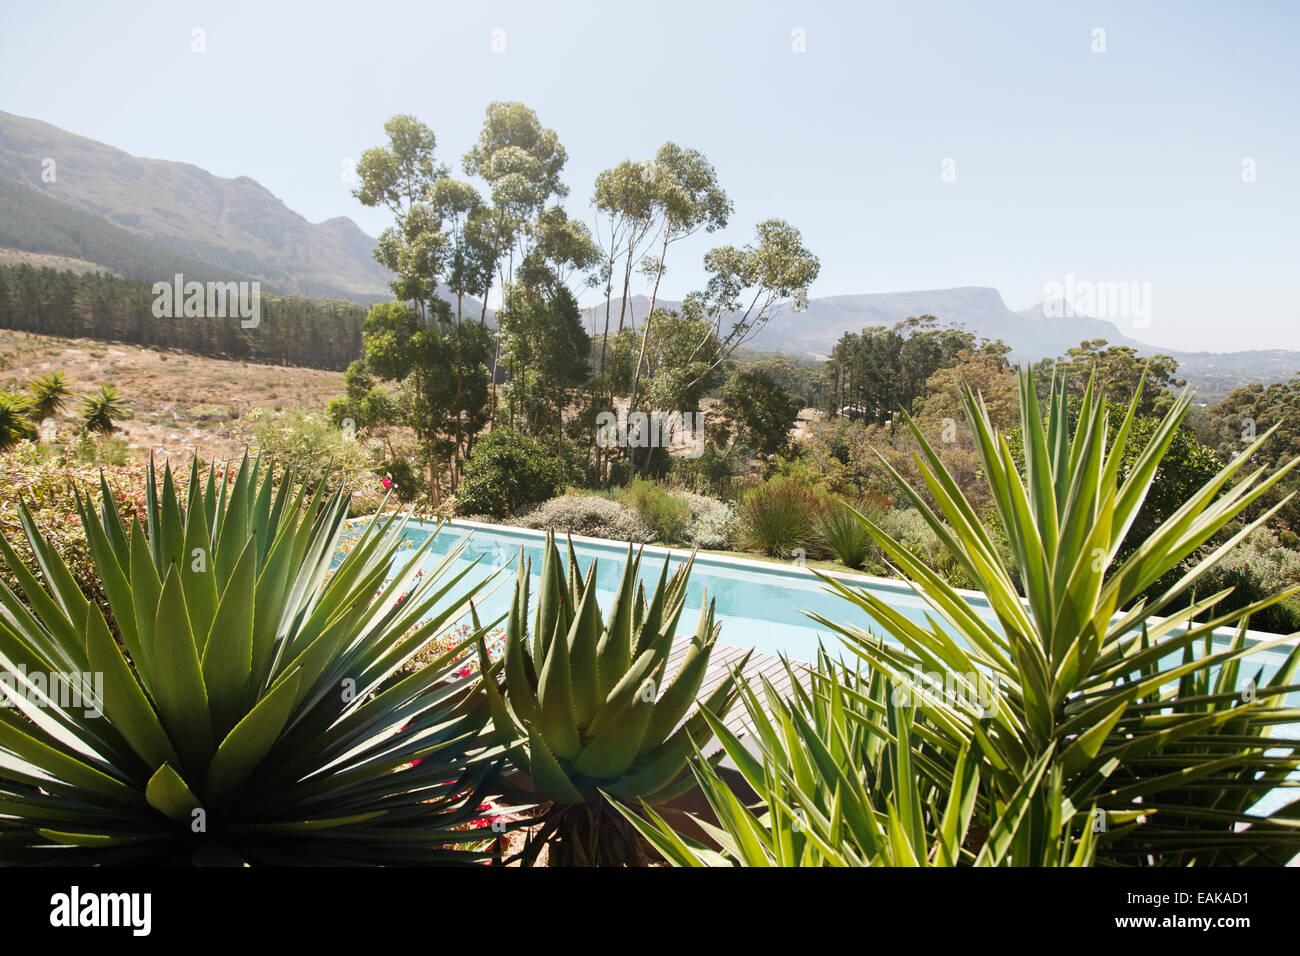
[[712, 523], [586, 515], [466, 659], [46, 483]]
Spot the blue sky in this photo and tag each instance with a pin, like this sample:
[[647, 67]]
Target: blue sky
[[1118, 166]]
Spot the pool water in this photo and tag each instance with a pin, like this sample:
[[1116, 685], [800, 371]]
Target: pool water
[[759, 606]]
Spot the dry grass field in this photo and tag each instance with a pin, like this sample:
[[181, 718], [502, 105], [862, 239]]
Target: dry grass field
[[181, 403]]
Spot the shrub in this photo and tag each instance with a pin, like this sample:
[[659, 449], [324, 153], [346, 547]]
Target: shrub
[[1255, 569], [712, 523], [909, 528], [507, 471], [841, 532], [667, 515], [586, 515], [315, 446], [777, 517]]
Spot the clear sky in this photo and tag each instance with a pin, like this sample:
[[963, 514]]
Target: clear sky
[[1117, 166]]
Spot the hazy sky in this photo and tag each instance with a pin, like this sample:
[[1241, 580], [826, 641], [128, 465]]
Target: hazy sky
[[1117, 166]]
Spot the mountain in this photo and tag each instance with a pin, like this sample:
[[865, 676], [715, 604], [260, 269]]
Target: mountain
[[234, 225], [38, 230], [1033, 334]]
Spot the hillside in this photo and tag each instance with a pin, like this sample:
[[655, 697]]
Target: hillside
[[31, 222], [236, 225], [181, 403]]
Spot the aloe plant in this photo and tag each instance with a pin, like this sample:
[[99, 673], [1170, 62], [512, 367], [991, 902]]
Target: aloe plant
[[1144, 717], [586, 710], [836, 771], [236, 713]]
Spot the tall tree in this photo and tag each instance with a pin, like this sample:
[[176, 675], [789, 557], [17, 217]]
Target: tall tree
[[686, 197]]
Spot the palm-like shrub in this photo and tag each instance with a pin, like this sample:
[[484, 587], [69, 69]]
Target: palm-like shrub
[[102, 410], [236, 716], [50, 393], [584, 709], [843, 772], [15, 419], [1138, 715]]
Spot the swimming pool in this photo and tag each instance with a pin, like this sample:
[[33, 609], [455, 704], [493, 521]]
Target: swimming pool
[[760, 605]]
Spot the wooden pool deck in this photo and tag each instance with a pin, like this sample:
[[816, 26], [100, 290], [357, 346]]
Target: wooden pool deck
[[723, 661]]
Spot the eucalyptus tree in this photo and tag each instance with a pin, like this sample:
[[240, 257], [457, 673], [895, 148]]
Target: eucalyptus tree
[[521, 161], [748, 286], [685, 198], [402, 177], [625, 195], [425, 347], [456, 203]]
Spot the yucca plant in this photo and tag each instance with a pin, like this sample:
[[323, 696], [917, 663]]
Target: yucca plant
[[1125, 706], [586, 710], [231, 712], [836, 770]]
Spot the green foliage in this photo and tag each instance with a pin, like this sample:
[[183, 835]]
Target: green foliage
[[50, 392], [778, 517], [506, 471], [102, 410], [236, 721], [880, 371], [667, 514], [1143, 717], [15, 419], [316, 333], [440, 369], [845, 776], [1119, 374], [547, 351], [585, 708], [841, 532], [760, 412], [319, 450]]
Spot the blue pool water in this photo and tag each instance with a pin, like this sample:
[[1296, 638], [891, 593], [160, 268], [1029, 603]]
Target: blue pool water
[[759, 606]]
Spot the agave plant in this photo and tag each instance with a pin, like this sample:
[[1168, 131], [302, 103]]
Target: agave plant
[[585, 709], [836, 772], [1138, 714], [232, 711]]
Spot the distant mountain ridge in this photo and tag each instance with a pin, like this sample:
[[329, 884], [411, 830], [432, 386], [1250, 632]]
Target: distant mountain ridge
[[1033, 334], [232, 224]]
